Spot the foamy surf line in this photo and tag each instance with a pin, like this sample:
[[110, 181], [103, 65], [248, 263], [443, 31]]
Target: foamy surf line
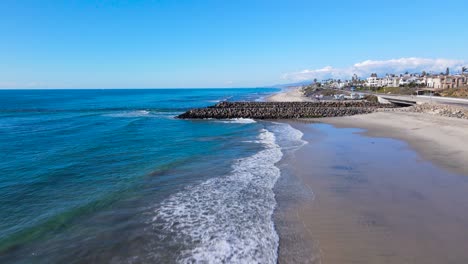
[[229, 219], [238, 121]]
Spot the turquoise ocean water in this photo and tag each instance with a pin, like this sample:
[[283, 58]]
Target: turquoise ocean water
[[110, 176]]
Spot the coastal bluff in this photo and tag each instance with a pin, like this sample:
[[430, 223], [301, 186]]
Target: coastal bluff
[[283, 110]]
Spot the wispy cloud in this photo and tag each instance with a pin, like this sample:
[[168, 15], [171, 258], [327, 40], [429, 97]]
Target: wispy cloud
[[365, 68], [6, 85]]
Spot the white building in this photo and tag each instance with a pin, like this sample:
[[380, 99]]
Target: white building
[[405, 80], [391, 81], [373, 81], [433, 82]]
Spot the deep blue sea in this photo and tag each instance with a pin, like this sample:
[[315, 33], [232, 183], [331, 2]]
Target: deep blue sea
[[111, 176]]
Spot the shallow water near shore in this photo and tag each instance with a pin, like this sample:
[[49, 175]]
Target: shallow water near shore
[[92, 176], [359, 199]]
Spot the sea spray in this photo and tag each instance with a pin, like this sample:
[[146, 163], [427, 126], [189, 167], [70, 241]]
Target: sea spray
[[238, 121], [87, 167], [229, 219]]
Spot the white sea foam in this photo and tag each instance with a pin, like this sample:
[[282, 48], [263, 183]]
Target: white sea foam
[[144, 113], [228, 219], [136, 113], [239, 121], [288, 137]]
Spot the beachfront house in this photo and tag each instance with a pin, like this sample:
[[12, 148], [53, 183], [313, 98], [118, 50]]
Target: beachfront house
[[429, 81], [410, 79], [446, 82], [458, 81], [373, 81], [390, 81], [387, 81], [462, 80], [433, 82]]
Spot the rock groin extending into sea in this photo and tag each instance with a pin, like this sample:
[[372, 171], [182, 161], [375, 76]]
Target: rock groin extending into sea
[[283, 110]]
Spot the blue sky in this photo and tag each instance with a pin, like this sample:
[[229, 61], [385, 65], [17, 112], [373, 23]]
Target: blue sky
[[167, 43]]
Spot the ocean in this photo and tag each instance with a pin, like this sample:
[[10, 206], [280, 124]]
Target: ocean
[[111, 176]]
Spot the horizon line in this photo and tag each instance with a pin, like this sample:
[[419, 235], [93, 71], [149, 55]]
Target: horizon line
[[137, 88]]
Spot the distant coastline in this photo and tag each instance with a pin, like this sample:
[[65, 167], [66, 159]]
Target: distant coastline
[[289, 94]]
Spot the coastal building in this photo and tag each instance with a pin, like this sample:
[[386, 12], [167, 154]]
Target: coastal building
[[390, 81], [373, 81], [387, 81], [446, 82], [433, 82], [430, 81], [462, 80], [409, 79]]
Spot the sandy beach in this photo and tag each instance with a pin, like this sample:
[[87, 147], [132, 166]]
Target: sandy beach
[[386, 187], [369, 200], [439, 139], [291, 94]]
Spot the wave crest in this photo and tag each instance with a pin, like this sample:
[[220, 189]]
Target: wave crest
[[239, 121], [228, 219]]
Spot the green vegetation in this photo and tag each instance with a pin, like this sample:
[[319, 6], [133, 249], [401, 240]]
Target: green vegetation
[[397, 90], [455, 92], [361, 88], [371, 98], [330, 92], [309, 90]]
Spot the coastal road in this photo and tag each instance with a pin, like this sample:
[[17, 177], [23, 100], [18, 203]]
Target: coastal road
[[444, 100], [427, 99]]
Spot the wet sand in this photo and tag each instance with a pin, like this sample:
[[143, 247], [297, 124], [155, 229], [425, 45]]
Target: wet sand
[[350, 198], [439, 139]]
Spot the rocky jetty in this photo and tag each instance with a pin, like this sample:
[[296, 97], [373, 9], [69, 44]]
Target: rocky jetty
[[284, 110]]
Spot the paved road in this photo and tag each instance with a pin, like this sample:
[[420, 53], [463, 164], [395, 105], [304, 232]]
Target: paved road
[[428, 99], [445, 100]]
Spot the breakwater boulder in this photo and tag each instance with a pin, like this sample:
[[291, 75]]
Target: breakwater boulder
[[283, 110]]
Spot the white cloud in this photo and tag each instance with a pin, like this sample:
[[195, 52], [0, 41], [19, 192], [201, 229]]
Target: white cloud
[[365, 68], [11, 85], [8, 85]]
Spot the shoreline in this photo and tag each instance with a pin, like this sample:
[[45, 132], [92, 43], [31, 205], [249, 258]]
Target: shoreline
[[438, 139], [290, 94], [384, 187], [351, 197]]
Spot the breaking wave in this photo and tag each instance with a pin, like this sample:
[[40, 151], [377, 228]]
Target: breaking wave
[[239, 121], [229, 219], [136, 113]]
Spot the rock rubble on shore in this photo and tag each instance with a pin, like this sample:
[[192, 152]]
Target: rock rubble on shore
[[438, 109], [284, 110]]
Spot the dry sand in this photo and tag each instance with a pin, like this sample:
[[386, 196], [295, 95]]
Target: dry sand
[[292, 94]]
